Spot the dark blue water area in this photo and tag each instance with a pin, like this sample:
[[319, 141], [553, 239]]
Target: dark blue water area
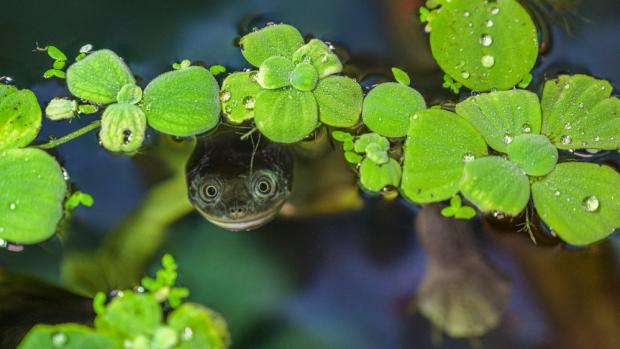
[[327, 282]]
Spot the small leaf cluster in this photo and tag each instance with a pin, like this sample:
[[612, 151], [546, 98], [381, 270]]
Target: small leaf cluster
[[457, 210], [136, 319]]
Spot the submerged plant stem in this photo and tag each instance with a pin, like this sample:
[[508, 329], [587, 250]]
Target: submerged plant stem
[[62, 140]]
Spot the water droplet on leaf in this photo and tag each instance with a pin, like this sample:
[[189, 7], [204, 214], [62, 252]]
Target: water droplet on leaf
[[486, 40], [591, 203], [566, 139], [487, 61], [507, 138], [59, 340], [225, 95]]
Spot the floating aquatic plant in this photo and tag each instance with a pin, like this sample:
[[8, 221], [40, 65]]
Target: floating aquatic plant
[[577, 112], [294, 89], [136, 319], [482, 44]]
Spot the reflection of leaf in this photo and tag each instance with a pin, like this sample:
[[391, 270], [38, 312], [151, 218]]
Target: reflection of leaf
[[274, 40], [388, 108], [32, 189], [287, 115], [484, 44], [579, 201], [183, 102]]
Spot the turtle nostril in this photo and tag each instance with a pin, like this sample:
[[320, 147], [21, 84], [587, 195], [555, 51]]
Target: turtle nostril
[[237, 211]]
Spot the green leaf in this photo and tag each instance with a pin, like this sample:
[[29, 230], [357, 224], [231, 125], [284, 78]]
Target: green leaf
[[438, 145], [533, 153], [579, 201], [342, 136], [274, 40], [6, 90], [78, 198], [130, 94], [448, 212], [275, 72], [55, 53], [578, 113], [59, 65], [503, 115], [465, 212], [67, 336], [286, 116], [87, 109], [99, 77], [217, 69], [367, 139], [495, 184], [401, 76], [20, 119], [388, 108], [130, 315], [348, 145], [238, 96], [484, 44], [304, 77], [199, 327], [321, 57], [51, 73], [340, 101], [353, 158], [375, 177], [183, 102], [32, 189], [61, 108], [122, 128], [377, 154]]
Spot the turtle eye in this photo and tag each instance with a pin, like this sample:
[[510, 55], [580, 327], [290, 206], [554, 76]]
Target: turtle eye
[[210, 192], [264, 186]]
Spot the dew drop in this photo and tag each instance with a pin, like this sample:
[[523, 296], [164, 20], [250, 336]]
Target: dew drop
[[465, 74], [187, 334], [597, 139], [487, 61], [603, 88], [507, 138], [225, 95], [127, 136], [486, 40], [591, 203], [566, 139], [249, 102], [580, 105], [253, 75], [3, 243], [467, 157], [466, 13], [494, 10], [568, 126], [556, 193], [228, 109], [499, 215], [489, 23], [59, 340], [12, 206], [527, 128]]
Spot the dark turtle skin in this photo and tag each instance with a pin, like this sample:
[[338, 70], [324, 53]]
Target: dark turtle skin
[[239, 184]]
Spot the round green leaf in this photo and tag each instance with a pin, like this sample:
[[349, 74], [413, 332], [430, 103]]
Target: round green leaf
[[534, 154], [122, 128], [274, 40], [67, 336], [388, 108], [484, 44], [320, 56], [438, 145], [340, 101], [304, 77], [99, 77], [199, 327], [20, 118], [61, 108], [286, 116], [503, 115], [32, 189], [238, 96], [275, 72], [375, 177], [579, 201], [578, 113], [131, 315], [183, 102], [495, 184], [369, 138], [130, 94]]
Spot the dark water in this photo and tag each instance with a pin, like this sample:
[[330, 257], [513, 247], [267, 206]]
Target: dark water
[[327, 282]]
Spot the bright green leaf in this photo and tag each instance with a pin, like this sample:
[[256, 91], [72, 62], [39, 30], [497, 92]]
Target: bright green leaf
[[389, 107], [275, 72], [448, 211], [59, 65], [340, 101], [238, 96], [501, 116], [183, 102], [578, 113], [32, 189], [68, 336], [375, 177], [61, 108], [130, 94], [131, 315], [353, 158], [99, 77], [78, 198], [377, 154], [304, 77], [122, 128], [286, 116], [484, 44], [20, 119], [495, 184], [51, 73], [579, 201], [465, 212], [342, 136], [401, 76], [348, 145], [87, 109], [217, 69], [366, 139], [320, 56], [438, 145], [533, 153], [55, 53], [199, 327], [274, 40]]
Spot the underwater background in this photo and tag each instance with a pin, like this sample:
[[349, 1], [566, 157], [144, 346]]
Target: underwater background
[[324, 281]]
